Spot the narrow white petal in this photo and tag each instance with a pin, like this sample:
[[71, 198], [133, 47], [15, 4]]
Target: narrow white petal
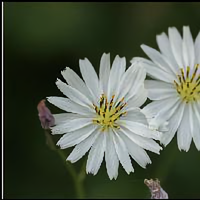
[[127, 82], [163, 126], [197, 49], [73, 94], [155, 107], [166, 112], [104, 72], [196, 124], [158, 59], [75, 137], [112, 161], [96, 155], [184, 134], [71, 125], [62, 118], [136, 152], [116, 72], [70, 106], [176, 45], [165, 48], [173, 125], [145, 143], [138, 60], [138, 81], [136, 115], [158, 90], [80, 149], [153, 70], [122, 153], [140, 129], [138, 99], [90, 77], [188, 48], [76, 82]]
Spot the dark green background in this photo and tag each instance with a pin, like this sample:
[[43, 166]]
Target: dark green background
[[40, 40]]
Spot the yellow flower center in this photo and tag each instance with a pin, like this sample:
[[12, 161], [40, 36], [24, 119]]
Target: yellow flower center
[[188, 87], [109, 112]]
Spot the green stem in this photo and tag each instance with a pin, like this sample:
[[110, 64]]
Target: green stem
[[77, 178]]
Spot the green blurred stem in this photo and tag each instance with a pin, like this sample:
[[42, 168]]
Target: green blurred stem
[[77, 178]]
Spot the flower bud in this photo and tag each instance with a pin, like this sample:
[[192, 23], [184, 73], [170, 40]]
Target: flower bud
[[46, 118]]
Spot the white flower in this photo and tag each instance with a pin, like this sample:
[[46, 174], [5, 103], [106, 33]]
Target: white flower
[[104, 116], [176, 90]]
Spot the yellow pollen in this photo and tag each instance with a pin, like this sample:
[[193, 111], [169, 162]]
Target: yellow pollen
[[109, 112], [188, 86]]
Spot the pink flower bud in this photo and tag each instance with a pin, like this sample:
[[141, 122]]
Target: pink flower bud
[[45, 116], [156, 190]]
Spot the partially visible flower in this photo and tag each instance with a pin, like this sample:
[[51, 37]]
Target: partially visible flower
[[45, 116], [176, 90], [156, 190], [104, 116]]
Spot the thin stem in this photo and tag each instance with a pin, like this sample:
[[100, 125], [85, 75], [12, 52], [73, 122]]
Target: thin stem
[[68, 166], [77, 178]]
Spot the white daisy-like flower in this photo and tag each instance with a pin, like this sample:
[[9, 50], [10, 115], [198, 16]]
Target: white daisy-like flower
[[104, 116], [176, 90]]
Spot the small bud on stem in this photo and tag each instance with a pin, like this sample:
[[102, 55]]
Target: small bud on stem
[[45, 116], [156, 190]]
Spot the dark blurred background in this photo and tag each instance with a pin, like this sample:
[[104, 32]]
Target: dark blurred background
[[40, 40]]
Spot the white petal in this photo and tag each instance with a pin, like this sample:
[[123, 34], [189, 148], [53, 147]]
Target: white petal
[[90, 77], [96, 155], [176, 45], [140, 129], [188, 48], [61, 118], [76, 82], [154, 71], [156, 123], [155, 107], [116, 72], [71, 125], [104, 72], [126, 82], [165, 48], [80, 150], [136, 115], [173, 125], [73, 94], [136, 152], [158, 90], [158, 59], [139, 98], [184, 134], [197, 49], [166, 112], [196, 125], [145, 143], [122, 153], [138, 81], [112, 161], [70, 106], [75, 137]]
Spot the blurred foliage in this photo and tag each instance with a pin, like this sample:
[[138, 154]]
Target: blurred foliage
[[40, 40]]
